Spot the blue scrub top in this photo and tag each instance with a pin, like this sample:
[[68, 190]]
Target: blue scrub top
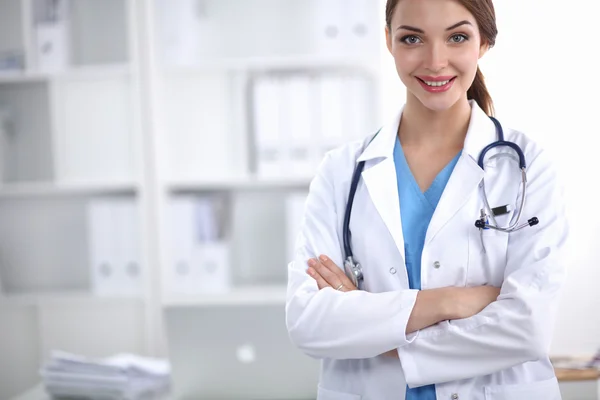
[[416, 211]]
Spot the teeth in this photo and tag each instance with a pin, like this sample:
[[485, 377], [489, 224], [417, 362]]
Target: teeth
[[442, 83], [437, 83]]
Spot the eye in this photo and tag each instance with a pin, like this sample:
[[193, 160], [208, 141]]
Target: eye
[[410, 39], [458, 38]]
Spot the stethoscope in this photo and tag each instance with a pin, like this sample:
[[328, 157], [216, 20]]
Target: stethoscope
[[352, 267]]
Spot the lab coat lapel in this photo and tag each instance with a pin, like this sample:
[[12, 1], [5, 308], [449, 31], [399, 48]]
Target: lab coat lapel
[[381, 183], [379, 177], [462, 183], [467, 174]]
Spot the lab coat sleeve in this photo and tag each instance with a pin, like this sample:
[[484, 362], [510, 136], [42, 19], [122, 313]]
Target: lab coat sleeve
[[328, 323], [518, 326]]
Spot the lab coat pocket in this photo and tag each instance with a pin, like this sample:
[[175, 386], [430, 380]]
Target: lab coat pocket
[[326, 394], [487, 257], [547, 390]]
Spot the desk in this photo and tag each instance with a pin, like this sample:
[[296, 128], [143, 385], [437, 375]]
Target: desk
[[579, 384], [35, 393], [38, 393], [574, 385]]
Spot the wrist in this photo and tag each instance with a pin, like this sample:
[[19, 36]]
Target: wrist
[[449, 303]]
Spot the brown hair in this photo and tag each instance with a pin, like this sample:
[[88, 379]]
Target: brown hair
[[483, 11]]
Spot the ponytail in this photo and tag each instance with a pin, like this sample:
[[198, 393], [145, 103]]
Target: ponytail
[[478, 92]]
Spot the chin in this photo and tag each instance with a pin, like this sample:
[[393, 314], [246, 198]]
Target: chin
[[437, 102]]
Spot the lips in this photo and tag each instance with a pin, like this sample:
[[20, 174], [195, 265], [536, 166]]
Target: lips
[[436, 84]]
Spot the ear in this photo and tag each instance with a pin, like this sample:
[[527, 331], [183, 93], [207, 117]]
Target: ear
[[483, 48], [388, 39]]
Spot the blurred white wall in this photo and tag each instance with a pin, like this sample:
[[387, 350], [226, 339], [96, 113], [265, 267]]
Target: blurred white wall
[[541, 75]]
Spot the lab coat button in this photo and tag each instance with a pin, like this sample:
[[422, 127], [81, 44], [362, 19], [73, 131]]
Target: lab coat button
[[455, 396], [392, 271], [436, 265]]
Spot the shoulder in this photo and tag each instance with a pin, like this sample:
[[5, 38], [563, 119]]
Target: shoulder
[[536, 155], [543, 173], [338, 164]]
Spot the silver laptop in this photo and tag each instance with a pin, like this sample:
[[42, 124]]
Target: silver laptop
[[236, 352]]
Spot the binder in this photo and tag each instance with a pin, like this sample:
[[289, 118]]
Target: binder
[[199, 251], [188, 32], [52, 35], [298, 125], [358, 103], [210, 257], [101, 221], [114, 245], [328, 27], [267, 125], [181, 233], [360, 33], [52, 46], [128, 279], [330, 112]]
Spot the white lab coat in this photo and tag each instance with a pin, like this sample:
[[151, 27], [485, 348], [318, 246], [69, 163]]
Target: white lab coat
[[498, 354]]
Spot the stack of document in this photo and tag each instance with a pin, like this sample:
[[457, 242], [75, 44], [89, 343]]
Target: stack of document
[[121, 377]]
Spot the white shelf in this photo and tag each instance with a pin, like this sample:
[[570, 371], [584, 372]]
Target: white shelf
[[238, 184], [65, 297], [91, 72], [12, 190], [277, 63], [252, 295]]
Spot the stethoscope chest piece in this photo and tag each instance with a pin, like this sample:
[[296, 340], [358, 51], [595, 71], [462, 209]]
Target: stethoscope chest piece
[[353, 271]]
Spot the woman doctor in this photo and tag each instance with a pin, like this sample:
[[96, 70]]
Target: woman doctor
[[445, 310]]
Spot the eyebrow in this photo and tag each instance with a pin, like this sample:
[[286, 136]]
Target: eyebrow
[[419, 30]]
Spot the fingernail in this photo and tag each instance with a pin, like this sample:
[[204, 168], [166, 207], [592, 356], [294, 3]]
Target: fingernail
[[312, 262], [323, 258], [310, 271]]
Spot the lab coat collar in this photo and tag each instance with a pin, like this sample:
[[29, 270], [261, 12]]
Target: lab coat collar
[[480, 133], [462, 182]]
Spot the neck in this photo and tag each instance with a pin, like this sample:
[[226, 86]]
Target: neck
[[421, 126]]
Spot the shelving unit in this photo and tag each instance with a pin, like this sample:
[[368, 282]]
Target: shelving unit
[[69, 135], [198, 64], [26, 190], [156, 106]]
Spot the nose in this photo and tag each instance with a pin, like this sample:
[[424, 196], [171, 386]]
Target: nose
[[437, 57]]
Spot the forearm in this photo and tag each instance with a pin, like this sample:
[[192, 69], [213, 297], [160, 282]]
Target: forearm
[[332, 324], [431, 307]]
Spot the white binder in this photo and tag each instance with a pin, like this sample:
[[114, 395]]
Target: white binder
[[358, 103], [331, 111], [181, 234], [52, 46], [102, 245], [298, 125], [114, 245], [328, 27], [359, 35], [199, 254], [267, 126], [52, 35], [129, 274]]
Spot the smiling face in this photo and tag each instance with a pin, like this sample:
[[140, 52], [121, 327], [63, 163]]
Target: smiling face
[[436, 46]]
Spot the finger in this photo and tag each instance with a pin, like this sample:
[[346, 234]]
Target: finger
[[341, 275], [321, 283], [329, 276]]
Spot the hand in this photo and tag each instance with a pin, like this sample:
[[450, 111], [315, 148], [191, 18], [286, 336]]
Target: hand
[[327, 274], [468, 301]]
